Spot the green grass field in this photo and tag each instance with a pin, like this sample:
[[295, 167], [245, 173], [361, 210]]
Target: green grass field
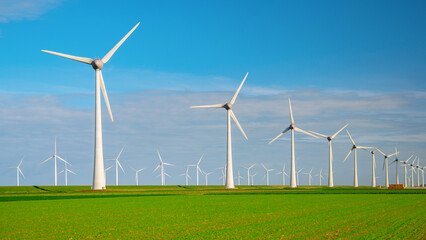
[[178, 212]]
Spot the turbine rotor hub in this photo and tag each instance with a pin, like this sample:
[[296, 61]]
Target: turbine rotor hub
[[329, 138], [292, 126], [228, 106], [97, 64]]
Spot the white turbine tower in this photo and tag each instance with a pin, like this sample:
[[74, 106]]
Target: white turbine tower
[[230, 113], [353, 149], [252, 179], [161, 165], [330, 156], [320, 177], [293, 128], [97, 64], [412, 171], [223, 175], [248, 172], [206, 175], [267, 173], [186, 174], [18, 171], [418, 172], [373, 166], [283, 173], [386, 166], [423, 176], [297, 175], [55, 156], [239, 177], [405, 163], [309, 176], [136, 174], [396, 161], [117, 164], [66, 171]]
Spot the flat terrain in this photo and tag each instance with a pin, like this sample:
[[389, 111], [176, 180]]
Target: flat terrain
[[178, 212]]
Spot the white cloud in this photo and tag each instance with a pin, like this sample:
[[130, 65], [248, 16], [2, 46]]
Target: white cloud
[[13, 10]]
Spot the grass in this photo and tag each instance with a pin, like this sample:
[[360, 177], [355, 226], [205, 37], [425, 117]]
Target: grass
[[179, 212]]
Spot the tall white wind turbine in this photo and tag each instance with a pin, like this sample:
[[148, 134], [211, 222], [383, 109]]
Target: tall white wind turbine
[[248, 172], [137, 174], [353, 149], [297, 174], [405, 163], [293, 128], [386, 166], [423, 176], [55, 156], [330, 156], [197, 167], [18, 171], [97, 64], [66, 171], [413, 171], [396, 161], [117, 164], [187, 177], [418, 172], [283, 173], [161, 166], [320, 177], [230, 113], [267, 173]]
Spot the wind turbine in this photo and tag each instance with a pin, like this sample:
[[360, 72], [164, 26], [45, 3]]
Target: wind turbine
[[267, 173], [330, 158], [418, 172], [18, 171], [354, 148], [206, 175], [106, 170], [97, 64], [297, 173], [373, 166], [161, 165], [412, 171], [405, 163], [310, 176], [56, 170], [248, 172], [396, 161], [239, 178], [284, 174], [186, 174], [252, 179], [136, 174], [228, 107], [65, 171], [223, 175], [197, 167], [293, 128], [320, 176], [117, 164], [385, 165], [423, 176]]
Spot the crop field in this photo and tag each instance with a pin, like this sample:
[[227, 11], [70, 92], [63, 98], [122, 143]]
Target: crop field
[[211, 212]]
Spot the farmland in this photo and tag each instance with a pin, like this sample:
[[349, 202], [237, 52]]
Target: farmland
[[268, 212]]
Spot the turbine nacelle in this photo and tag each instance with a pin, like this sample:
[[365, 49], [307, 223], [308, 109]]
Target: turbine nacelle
[[228, 106], [97, 64]]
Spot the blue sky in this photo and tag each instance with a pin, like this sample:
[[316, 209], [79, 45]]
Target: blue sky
[[360, 62]]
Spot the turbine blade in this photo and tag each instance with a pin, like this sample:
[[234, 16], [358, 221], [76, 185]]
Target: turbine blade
[[104, 92], [347, 155], [168, 164], [21, 172], [350, 137], [71, 172], [303, 131], [201, 158], [392, 154], [167, 174], [209, 106], [120, 153], [264, 167], [21, 162], [106, 58], [334, 135], [46, 160], [119, 164], [291, 112], [161, 160], [60, 172], [156, 168], [63, 160], [381, 152], [321, 135], [79, 59], [106, 170], [238, 124], [238, 90], [279, 135]]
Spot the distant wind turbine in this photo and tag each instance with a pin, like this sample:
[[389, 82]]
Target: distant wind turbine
[[223, 175], [206, 174], [18, 171], [283, 173], [252, 179], [106, 170], [413, 171], [386, 166], [117, 164], [353, 149], [320, 176], [228, 107], [161, 166], [373, 166], [186, 174], [293, 128], [396, 161], [239, 177], [97, 64], [66, 171], [248, 172], [297, 173], [405, 163], [418, 172], [197, 167], [267, 173], [56, 169], [136, 174], [309, 175], [330, 158]]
